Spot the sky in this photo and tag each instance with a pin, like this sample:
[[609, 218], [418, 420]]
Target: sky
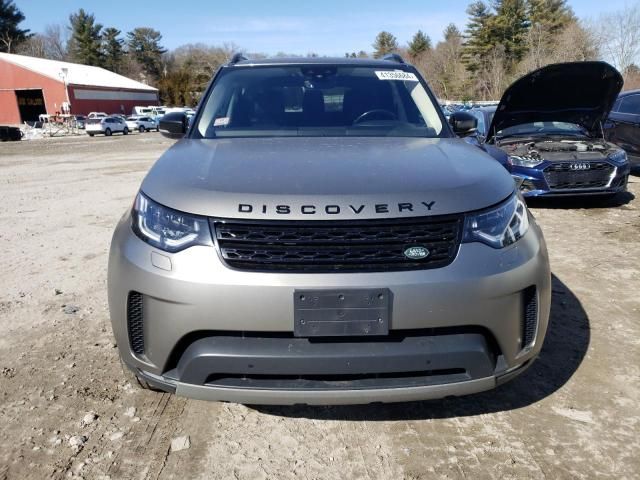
[[326, 27]]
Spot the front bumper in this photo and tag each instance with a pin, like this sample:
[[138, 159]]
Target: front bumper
[[534, 183], [214, 333]]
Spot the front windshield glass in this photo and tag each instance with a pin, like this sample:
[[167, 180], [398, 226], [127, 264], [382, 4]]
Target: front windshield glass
[[543, 128], [318, 100]]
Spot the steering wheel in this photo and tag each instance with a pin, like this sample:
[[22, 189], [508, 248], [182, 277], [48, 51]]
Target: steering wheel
[[379, 111]]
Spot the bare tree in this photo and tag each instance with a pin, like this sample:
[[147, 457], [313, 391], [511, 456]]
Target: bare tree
[[619, 36], [51, 44], [492, 77], [443, 68], [55, 38], [575, 43], [538, 49]]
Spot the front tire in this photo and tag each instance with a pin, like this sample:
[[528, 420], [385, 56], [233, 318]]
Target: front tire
[[141, 129], [107, 132], [125, 131], [91, 134]]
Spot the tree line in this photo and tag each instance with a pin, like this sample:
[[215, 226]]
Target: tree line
[[502, 40]]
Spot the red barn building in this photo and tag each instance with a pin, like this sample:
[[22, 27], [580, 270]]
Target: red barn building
[[32, 86]]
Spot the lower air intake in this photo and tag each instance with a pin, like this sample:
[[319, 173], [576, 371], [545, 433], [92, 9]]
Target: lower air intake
[[529, 317], [134, 323]]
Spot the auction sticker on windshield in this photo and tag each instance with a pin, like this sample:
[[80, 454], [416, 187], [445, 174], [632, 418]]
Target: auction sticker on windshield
[[396, 75]]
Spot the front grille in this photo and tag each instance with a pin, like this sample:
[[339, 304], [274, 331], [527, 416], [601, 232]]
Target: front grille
[[530, 316], [561, 176], [134, 323], [337, 246]]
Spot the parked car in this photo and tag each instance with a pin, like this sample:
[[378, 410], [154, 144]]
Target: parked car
[[97, 115], [547, 131], [81, 121], [141, 124], [9, 134], [299, 245], [484, 116], [107, 125], [623, 125]]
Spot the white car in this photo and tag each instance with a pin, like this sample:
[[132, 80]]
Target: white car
[[108, 126], [141, 124], [97, 115]]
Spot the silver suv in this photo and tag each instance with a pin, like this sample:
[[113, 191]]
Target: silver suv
[[320, 235]]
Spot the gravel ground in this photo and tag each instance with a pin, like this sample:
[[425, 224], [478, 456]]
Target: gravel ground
[[65, 410]]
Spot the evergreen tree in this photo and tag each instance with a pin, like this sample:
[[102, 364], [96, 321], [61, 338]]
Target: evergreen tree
[[112, 50], [452, 34], [85, 42], [478, 41], [384, 43], [552, 15], [144, 46], [419, 44], [10, 34], [509, 27]]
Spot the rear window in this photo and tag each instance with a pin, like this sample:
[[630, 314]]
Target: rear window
[[318, 100]]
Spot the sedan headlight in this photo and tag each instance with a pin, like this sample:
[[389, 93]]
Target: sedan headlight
[[619, 157], [524, 161], [499, 226], [168, 229]]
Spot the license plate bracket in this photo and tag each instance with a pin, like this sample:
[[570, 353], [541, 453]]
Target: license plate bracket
[[343, 312]]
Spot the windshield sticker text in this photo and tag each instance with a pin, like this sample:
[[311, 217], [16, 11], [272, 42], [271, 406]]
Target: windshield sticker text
[[396, 75]]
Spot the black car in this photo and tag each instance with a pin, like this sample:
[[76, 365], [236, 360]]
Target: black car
[[623, 125], [9, 133]]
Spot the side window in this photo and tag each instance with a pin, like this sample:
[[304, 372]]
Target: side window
[[630, 104]]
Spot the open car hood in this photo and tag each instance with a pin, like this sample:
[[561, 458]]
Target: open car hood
[[580, 92]]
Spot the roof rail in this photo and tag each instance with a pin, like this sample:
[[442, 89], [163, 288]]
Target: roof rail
[[393, 57], [237, 57]]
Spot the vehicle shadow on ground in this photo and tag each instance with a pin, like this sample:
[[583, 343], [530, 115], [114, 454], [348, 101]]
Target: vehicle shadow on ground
[[593, 201], [564, 348]]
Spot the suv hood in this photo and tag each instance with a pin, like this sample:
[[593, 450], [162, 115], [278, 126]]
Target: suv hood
[[579, 92], [313, 178]]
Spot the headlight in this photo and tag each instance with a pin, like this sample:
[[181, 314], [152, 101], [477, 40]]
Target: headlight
[[168, 229], [619, 156], [499, 226], [525, 161]]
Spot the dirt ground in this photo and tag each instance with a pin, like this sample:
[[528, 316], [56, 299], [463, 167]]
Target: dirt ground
[[65, 410]]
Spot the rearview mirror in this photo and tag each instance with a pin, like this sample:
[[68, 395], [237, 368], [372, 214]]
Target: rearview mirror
[[463, 123], [173, 125]]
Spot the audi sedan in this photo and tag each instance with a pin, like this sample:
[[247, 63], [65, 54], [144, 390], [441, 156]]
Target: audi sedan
[[547, 131]]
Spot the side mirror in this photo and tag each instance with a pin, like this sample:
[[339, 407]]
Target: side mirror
[[463, 123], [173, 125]]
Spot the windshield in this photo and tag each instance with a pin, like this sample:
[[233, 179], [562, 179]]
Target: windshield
[[543, 128], [318, 100]]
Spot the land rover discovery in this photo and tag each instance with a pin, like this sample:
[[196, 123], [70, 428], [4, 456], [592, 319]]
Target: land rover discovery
[[320, 235]]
